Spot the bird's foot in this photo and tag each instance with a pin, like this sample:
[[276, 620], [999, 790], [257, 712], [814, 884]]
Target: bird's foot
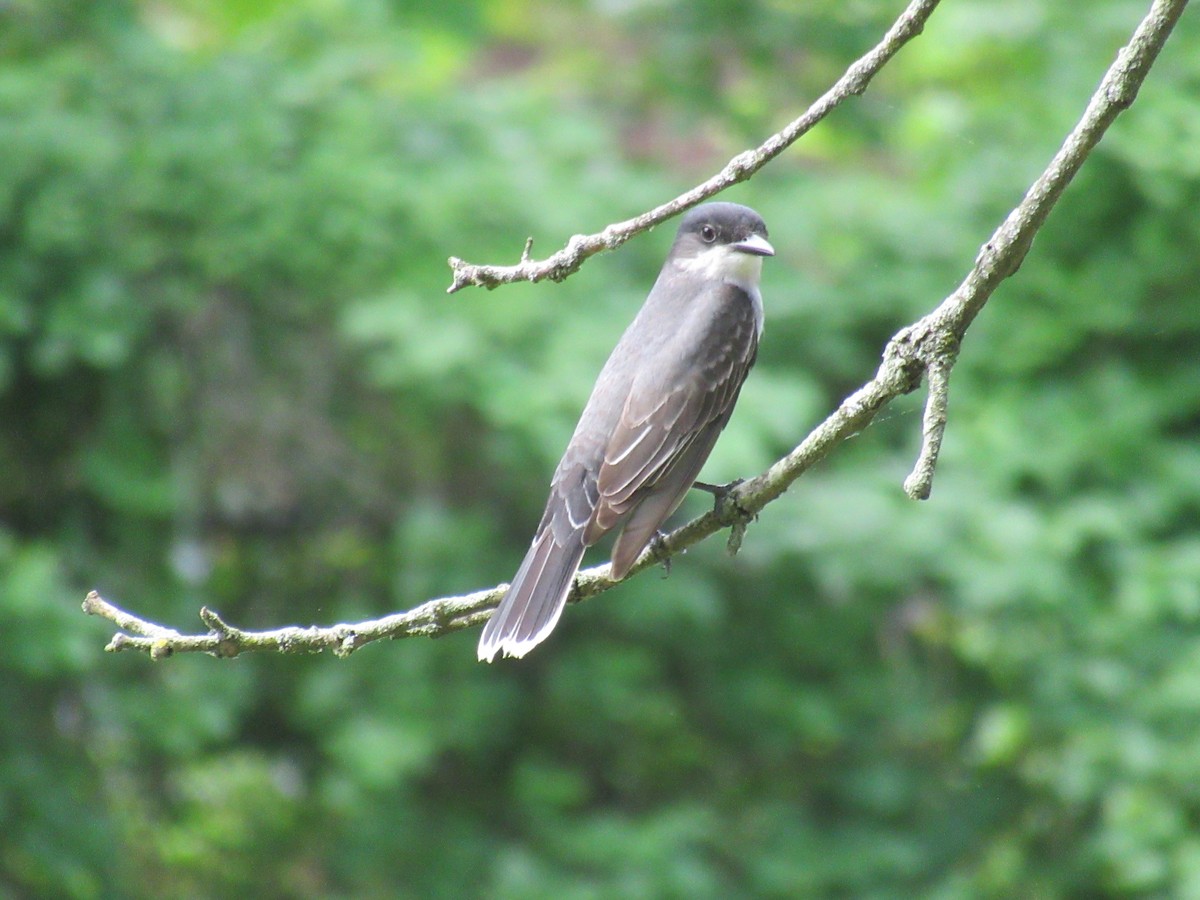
[[729, 511], [725, 505], [719, 491], [658, 548]]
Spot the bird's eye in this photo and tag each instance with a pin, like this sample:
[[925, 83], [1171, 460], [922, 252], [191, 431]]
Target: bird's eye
[[708, 233]]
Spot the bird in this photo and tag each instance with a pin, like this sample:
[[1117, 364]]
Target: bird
[[653, 416]]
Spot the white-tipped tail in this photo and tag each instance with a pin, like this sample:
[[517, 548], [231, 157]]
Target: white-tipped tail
[[535, 601]]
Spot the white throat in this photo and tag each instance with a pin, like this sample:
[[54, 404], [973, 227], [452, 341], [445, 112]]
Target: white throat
[[724, 264]]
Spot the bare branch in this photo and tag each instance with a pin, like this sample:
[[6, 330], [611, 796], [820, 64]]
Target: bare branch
[[933, 426], [579, 248], [929, 345], [934, 340]]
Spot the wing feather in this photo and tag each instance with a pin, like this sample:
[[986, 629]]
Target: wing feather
[[668, 408]]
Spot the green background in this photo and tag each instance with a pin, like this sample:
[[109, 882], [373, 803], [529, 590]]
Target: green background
[[230, 375]]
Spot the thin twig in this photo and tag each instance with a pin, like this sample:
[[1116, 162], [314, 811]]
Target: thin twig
[[919, 483], [929, 345], [934, 341], [579, 248]]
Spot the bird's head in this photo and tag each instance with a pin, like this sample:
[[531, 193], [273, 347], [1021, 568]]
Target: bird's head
[[723, 241]]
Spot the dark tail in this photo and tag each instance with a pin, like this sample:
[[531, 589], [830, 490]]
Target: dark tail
[[530, 609]]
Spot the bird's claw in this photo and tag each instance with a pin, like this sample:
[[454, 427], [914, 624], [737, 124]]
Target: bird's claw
[[658, 547], [719, 491]]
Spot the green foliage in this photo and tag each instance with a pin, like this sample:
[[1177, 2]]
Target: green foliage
[[230, 376]]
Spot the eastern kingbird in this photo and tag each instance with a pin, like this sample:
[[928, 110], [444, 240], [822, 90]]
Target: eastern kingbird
[[662, 398]]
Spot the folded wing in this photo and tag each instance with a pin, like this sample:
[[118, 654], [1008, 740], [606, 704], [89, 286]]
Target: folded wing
[[669, 424]]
